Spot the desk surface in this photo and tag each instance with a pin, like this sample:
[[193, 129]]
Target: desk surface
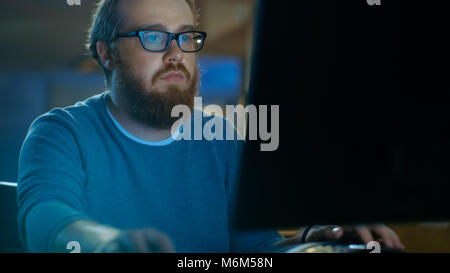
[[416, 237]]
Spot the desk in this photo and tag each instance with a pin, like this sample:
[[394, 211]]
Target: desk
[[416, 237]]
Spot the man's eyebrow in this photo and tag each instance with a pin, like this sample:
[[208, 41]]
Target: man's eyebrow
[[165, 28], [153, 27], [186, 28]]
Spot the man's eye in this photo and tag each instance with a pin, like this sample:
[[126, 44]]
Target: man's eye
[[153, 38], [185, 38], [198, 39]]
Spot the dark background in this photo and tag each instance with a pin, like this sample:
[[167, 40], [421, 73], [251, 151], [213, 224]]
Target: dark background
[[364, 115]]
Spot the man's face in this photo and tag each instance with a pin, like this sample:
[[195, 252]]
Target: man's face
[[151, 83]]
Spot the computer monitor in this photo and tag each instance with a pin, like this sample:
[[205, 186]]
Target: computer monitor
[[364, 114]]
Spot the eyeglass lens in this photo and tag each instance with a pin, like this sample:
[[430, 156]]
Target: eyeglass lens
[[158, 41]]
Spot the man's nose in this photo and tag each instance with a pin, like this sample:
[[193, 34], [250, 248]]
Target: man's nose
[[173, 54]]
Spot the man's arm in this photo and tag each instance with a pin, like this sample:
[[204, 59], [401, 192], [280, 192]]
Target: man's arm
[[51, 195], [51, 177], [93, 237]]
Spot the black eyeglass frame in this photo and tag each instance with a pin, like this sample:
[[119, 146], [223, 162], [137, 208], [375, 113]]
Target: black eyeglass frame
[[172, 36]]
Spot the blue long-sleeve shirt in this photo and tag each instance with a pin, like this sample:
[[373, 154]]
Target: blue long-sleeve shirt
[[78, 163]]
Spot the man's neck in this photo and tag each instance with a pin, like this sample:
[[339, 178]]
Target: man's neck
[[133, 126]]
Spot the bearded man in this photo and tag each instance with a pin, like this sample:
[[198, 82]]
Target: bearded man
[[108, 173]]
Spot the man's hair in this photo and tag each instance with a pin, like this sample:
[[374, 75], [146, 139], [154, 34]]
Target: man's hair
[[105, 25]]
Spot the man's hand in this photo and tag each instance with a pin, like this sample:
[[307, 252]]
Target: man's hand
[[94, 237], [139, 241], [350, 234]]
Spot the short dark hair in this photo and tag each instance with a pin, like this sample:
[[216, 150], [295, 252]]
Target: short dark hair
[[105, 26]]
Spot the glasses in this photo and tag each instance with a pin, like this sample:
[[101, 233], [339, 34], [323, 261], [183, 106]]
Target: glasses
[[159, 40]]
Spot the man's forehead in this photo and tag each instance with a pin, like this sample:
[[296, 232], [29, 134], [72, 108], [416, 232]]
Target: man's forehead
[[170, 15], [159, 26]]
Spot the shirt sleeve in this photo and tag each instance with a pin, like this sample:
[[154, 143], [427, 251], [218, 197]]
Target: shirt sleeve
[[242, 241], [50, 191]]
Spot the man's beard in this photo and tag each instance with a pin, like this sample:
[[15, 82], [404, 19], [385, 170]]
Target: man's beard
[[154, 107]]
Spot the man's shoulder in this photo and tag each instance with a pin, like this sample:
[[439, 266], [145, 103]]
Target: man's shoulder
[[75, 112], [72, 116]]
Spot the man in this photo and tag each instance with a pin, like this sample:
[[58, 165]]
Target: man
[[107, 172]]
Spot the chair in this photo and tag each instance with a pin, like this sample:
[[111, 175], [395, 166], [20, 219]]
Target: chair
[[9, 236]]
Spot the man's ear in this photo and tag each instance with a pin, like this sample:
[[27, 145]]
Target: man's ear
[[104, 53]]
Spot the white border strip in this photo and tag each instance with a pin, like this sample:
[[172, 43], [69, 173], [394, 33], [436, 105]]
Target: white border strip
[[9, 184]]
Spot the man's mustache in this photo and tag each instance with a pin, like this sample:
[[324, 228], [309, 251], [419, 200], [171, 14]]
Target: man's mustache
[[169, 68]]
